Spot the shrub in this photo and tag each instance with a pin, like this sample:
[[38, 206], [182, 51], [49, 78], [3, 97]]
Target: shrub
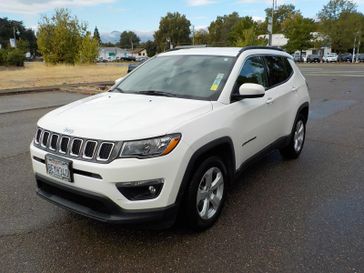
[[3, 56], [15, 57]]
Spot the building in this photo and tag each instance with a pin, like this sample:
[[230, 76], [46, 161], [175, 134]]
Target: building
[[140, 52], [278, 39], [112, 53]]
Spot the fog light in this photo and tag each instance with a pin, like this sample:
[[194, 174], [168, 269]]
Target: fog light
[[152, 190], [141, 190]]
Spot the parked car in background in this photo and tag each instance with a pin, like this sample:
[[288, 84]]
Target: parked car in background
[[359, 57], [330, 58], [128, 58], [132, 66], [141, 58], [298, 58], [345, 57], [313, 58]]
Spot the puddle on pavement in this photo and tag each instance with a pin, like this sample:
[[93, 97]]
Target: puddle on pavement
[[324, 108]]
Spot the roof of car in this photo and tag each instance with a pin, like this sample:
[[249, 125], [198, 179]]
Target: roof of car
[[218, 51]]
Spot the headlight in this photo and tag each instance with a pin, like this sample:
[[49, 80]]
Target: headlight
[[150, 147]]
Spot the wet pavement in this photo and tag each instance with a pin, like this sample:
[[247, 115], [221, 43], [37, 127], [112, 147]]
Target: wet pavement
[[305, 215]]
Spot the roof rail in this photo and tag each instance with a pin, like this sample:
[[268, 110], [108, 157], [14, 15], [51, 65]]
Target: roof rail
[[185, 47], [260, 47]]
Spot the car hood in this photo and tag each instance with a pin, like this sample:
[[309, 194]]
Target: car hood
[[116, 116]]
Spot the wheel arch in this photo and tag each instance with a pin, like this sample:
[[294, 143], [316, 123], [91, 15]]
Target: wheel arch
[[222, 147]]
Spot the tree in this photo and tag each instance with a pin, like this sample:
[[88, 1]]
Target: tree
[[128, 39], [298, 30], [7, 28], [174, 28], [60, 36], [333, 9], [151, 48], [244, 33], [97, 35], [201, 37], [220, 30], [282, 13], [89, 49], [340, 21]]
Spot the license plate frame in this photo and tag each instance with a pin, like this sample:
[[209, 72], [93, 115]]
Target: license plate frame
[[59, 167]]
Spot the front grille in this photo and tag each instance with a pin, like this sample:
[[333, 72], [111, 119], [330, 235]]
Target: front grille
[[89, 150], [54, 142], [64, 144], [45, 138], [76, 147], [105, 150]]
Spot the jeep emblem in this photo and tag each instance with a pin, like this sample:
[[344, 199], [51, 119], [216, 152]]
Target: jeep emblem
[[68, 131]]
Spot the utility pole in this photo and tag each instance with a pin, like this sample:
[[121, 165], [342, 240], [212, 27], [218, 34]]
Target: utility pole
[[193, 35], [270, 24], [15, 36], [353, 57], [358, 51]]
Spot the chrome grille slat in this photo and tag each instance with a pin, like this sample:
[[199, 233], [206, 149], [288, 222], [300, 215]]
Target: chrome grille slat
[[89, 143], [100, 150], [45, 139], [65, 141], [76, 147], [53, 143], [73, 146]]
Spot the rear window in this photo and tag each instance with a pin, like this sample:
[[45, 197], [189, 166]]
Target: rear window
[[279, 70]]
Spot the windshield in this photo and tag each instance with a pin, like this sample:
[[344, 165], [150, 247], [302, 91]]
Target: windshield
[[185, 76]]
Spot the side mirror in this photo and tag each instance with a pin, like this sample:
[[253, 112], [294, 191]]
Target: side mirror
[[250, 90]]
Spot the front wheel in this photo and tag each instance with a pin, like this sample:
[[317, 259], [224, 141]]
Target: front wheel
[[205, 195], [297, 139]]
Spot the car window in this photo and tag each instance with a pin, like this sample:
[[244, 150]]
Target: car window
[[186, 76], [253, 71], [279, 69]]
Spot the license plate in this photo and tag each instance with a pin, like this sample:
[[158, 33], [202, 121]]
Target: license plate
[[59, 167]]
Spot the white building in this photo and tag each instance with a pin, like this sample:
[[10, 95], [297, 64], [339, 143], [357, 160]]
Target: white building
[[112, 53], [277, 39]]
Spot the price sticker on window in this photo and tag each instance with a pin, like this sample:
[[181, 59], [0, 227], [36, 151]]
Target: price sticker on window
[[216, 83]]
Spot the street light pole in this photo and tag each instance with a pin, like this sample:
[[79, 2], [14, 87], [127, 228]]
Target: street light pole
[[14, 37], [270, 25], [353, 57]]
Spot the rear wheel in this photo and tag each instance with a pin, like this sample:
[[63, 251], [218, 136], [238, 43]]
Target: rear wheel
[[205, 195], [297, 139]]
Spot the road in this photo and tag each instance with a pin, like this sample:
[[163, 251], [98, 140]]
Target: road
[[281, 216]]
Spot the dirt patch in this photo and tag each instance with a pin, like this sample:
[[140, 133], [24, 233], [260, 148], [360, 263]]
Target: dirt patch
[[41, 75]]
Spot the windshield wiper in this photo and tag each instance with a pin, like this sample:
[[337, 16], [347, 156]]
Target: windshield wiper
[[118, 89], [157, 93]]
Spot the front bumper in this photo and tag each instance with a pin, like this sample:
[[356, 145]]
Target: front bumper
[[104, 179], [99, 207]]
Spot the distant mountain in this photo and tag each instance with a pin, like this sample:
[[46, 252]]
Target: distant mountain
[[114, 36]]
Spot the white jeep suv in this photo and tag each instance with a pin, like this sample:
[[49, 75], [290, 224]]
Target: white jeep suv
[[170, 136]]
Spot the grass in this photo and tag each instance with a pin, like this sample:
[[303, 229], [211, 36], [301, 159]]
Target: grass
[[40, 75]]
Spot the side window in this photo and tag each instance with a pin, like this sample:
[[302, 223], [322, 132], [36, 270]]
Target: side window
[[253, 71], [279, 69]]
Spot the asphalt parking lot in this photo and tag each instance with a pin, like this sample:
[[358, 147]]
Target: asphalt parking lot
[[281, 216]]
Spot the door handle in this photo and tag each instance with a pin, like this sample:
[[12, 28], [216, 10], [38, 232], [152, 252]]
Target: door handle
[[269, 101], [294, 89]]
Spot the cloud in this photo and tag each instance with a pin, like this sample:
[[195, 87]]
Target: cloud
[[39, 6], [200, 2]]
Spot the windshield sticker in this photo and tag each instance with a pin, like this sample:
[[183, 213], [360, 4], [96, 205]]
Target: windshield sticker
[[217, 81]]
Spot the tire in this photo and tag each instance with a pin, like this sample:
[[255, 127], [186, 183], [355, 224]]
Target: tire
[[204, 199], [297, 139]]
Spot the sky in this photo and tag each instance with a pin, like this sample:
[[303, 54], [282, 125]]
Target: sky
[[144, 16]]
